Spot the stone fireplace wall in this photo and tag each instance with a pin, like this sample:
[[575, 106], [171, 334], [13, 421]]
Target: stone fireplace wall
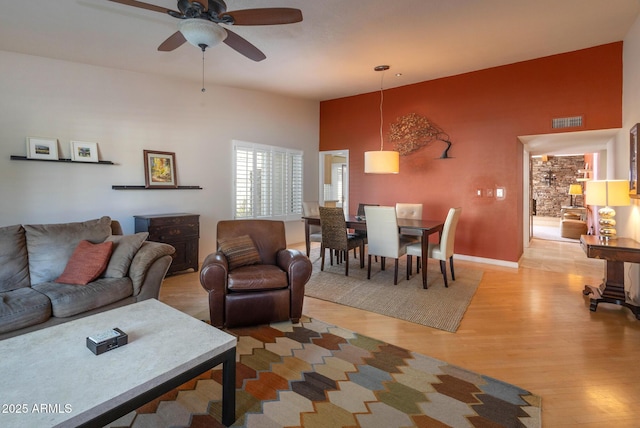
[[550, 196]]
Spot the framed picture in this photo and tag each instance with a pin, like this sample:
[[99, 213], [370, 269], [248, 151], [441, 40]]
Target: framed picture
[[42, 148], [160, 169], [633, 162], [82, 151]]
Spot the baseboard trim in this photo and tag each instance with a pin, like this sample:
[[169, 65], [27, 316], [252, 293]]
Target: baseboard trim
[[496, 262]]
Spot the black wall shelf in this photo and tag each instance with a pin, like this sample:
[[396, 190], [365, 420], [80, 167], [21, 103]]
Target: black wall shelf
[[24, 158], [156, 188]]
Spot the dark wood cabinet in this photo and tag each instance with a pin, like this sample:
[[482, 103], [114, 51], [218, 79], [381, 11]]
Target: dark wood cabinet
[[181, 230]]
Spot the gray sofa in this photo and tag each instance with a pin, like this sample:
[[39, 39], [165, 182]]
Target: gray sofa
[[32, 257]]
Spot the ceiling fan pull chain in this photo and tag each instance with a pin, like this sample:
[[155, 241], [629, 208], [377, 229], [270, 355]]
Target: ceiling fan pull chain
[[203, 48]]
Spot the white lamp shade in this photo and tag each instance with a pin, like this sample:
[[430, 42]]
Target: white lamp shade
[[382, 162], [612, 193], [201, 32]]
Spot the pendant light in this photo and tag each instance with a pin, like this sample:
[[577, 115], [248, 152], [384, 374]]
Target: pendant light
[[381, 161]]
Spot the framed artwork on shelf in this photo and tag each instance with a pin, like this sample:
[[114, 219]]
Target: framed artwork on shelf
[[160, 169], [42, 148], [82, 151], [634, 171]]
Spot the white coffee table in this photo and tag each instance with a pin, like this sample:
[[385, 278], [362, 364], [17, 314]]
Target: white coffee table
[[50, 377]]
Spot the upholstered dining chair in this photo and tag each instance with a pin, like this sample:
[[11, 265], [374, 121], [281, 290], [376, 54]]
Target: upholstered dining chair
[[363, 233], [442, 250], [336, 238], [311, 209], [384, 238], [410, 211], [253, 278], [361, 212]]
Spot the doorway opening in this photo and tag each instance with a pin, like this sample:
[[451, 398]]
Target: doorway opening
[[599, 143], [334, 179], [557, 183]]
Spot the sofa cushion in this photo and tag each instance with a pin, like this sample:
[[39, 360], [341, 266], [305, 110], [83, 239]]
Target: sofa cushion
[[257, 278], [87, 262], [50, 245], [13, 258], [68, 300], [124, 248], [21, 308], [239, 251]]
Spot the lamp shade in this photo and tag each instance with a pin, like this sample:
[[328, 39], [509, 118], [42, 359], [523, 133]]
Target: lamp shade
[[612, 193], [382, 162], [575, 189], [607, 194], [202, 32]]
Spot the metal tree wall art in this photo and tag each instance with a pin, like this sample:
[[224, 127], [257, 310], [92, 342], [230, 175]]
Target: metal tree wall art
[[413, 131]]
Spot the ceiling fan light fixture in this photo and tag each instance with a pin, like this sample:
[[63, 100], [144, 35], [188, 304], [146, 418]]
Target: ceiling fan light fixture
[[202, 33]]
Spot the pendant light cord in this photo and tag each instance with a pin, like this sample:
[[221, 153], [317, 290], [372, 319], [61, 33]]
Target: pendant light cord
[[382, 68], [381, 116]]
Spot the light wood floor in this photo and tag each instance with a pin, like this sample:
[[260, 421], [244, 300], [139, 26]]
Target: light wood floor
[[529, 326]]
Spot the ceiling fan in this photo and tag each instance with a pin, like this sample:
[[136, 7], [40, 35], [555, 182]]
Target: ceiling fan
[[201, 19]]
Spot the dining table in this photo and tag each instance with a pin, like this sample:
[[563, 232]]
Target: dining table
[[427, 227]]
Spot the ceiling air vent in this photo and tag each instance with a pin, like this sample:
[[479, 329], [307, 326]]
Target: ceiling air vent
[[566, 122]]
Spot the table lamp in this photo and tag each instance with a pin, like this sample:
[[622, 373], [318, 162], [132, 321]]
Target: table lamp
[[574, 190], [607, 194]]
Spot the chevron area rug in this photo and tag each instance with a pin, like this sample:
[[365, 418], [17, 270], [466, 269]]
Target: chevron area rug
[[316, 375], [437, 306]]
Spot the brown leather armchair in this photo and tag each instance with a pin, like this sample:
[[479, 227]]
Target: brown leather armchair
[[270, 289]]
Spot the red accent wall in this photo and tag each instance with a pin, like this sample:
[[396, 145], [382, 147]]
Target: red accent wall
[[483, 112]]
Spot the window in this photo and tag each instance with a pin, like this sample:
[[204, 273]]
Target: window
[[268, 182]]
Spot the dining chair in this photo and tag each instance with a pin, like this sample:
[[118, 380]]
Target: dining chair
[[361, 214], [310, 209], [442, 250], [410, 211], [336, 238], [384, 239]]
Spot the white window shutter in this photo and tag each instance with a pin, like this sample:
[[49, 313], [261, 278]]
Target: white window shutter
[[268, 182]]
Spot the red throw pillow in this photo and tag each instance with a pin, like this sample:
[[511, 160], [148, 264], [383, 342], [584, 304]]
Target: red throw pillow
[[87, 262]]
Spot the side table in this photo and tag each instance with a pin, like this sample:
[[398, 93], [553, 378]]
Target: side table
[[181, 230], [615, 252]]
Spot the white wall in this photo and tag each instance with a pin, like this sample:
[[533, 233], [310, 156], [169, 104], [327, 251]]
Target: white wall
[[125, 113], [629, 217]]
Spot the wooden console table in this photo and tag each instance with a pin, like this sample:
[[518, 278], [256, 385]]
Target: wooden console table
[[615, 253]]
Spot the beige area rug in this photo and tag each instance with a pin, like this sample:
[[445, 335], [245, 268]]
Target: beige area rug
[[437, 306]]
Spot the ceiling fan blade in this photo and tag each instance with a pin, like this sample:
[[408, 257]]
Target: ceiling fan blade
[[242, 46], [143, 5], [174, 41], [265, 16]]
